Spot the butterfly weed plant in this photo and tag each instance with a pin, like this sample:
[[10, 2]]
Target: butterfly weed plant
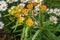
[[29, 20]]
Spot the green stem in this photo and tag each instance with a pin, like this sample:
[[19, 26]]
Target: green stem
[[26, 33], [6, 15], [40, 19], [15, 27], [23, 34], [9, 23]]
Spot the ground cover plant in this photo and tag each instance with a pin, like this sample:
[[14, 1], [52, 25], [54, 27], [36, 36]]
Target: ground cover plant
[[29, 20]]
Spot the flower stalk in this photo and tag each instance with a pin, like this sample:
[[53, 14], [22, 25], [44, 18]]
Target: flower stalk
[[40, 18]]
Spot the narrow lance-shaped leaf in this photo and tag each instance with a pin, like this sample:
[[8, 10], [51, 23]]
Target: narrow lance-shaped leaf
[[51, 36], [38, 33], [51, 28], [26, 33], [45, 37], [23, 33]]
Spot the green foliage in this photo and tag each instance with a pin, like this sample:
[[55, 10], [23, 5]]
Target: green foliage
[[44, 31], [52, 3]]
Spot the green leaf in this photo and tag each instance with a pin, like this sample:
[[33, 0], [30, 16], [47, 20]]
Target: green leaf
[[23, 33], [38, 33], [17, 31], [15, 26], [40, 19], [50, 35], [51, 28], [26, 33], [44, 37], [47, 23], [59, 37]]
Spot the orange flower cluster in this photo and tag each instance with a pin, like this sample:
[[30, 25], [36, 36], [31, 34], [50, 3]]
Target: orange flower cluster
[[22, 12]]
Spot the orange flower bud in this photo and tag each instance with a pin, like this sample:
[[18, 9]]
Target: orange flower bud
[[43, 7], [29, 6]]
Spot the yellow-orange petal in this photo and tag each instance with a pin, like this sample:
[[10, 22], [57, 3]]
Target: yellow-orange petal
[[29, 22], [29, 5], [43, 7], [25, 11], [21, 19]]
